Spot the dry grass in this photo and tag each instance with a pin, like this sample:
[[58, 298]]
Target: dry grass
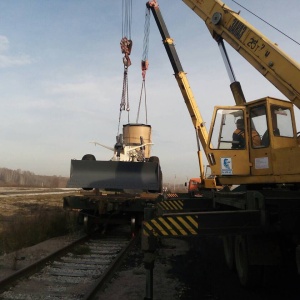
[[33, 221], [26, 231]]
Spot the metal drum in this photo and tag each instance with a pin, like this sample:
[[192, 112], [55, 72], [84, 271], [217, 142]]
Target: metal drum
[[132, 134]]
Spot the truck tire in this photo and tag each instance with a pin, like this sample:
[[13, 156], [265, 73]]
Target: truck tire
[[228, 246], [249, 275]]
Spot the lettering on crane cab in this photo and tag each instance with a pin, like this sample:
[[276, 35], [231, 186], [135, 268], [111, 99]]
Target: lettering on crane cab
[[226, 166], [237, 28]]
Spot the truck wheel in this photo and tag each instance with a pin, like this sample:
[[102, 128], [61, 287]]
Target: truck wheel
[[249, 275], [228, 246]]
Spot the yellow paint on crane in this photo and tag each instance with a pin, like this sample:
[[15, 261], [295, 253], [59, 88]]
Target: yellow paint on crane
[[161, 230], [171, 226], [190, 229], [171, 205], [177, 226]]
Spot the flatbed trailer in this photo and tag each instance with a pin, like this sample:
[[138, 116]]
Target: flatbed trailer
[[99, 208]]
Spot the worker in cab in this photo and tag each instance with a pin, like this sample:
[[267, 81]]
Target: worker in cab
[[238, 136]]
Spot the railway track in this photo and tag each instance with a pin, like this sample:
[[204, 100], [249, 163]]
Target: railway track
[[76, 272]]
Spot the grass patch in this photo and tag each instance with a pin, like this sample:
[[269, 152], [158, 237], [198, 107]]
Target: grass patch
[[23, 231]]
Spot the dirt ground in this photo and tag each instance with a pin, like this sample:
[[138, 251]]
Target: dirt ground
[[130, 281], [191, 270]]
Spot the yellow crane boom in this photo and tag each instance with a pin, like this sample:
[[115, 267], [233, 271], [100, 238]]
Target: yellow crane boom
[[264, 55]]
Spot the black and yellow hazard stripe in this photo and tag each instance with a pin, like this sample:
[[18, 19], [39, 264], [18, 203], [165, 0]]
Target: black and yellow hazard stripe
[[171, 205], [181, 225]]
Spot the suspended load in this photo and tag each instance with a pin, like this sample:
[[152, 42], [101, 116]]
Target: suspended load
[[131, 166]]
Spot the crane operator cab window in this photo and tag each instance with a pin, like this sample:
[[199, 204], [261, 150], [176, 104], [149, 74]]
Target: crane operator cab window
[[281, 121], [228, 130], [281, 126]]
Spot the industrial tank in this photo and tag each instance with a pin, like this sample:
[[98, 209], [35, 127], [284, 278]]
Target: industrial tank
[[133, 134]]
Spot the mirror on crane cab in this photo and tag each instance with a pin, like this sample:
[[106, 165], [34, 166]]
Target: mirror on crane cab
[[242, 139]]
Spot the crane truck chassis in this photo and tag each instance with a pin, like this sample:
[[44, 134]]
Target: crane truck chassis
[[259, 220]]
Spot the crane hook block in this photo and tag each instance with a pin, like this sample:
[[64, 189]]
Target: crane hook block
[[126, 45]]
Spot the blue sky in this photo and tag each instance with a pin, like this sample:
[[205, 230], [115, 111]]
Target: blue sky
[[61, 75]]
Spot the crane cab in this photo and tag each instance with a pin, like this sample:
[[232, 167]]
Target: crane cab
[[256, 142]]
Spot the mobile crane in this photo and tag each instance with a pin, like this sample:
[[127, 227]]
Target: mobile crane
[[259, 220], [271, 161]]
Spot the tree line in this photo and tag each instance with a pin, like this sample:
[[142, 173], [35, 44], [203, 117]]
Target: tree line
[[26, 178]]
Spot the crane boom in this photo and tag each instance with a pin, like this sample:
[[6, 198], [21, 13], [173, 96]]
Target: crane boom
[[180, 76], [264, 55], [272, 121]]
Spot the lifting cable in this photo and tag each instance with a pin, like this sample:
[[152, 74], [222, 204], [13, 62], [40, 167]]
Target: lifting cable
[[144, 63], [126, 46], [266, 22]]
